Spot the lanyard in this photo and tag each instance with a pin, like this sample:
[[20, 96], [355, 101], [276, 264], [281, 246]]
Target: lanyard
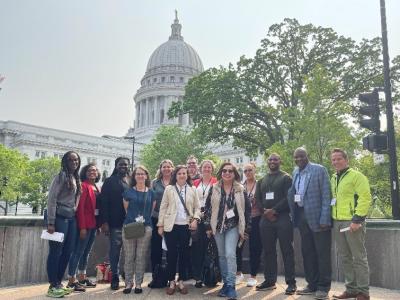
[[250, 191], [204, 189]]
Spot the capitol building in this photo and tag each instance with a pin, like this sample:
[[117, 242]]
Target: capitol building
[[168, 70]]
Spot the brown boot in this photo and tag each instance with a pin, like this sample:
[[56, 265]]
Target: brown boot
[[362, 296], [345, 295]]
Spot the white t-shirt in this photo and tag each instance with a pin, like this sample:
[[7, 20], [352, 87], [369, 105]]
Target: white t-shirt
[[181, 216], [202, 192]]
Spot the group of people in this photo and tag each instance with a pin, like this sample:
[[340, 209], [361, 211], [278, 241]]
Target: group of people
[[185, 208]]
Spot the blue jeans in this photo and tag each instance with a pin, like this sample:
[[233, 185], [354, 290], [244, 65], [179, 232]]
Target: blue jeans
[[80, 255], [226, 244], [115, 249], [60, 253]]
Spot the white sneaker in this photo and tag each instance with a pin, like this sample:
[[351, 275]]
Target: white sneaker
[[251, 282], [239, 278]]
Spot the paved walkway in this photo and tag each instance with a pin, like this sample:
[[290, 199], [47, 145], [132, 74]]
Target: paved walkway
[[102, 291]]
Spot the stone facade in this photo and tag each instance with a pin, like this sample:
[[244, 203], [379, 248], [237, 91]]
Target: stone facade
[[39, 142]]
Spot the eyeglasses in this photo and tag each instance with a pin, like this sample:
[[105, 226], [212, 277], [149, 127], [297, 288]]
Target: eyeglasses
[[227, 171], [248, 170]]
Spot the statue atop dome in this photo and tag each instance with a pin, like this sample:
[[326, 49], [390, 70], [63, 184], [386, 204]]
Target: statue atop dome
[[176, 29]]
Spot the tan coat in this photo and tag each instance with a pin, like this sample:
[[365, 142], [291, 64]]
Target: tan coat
[[169, 208], [240, 205]]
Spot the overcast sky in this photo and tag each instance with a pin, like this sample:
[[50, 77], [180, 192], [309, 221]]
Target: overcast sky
[[75, 65]]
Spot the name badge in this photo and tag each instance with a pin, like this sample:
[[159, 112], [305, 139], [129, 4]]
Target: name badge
[[96, 212], [230, 214], [269, 196], [139, 219], [297, 198], [333, 201]]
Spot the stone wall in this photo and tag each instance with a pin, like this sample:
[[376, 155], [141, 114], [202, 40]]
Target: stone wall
[[23, 254]]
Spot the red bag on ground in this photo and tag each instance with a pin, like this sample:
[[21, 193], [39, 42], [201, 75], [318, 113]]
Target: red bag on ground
[[103, 273]]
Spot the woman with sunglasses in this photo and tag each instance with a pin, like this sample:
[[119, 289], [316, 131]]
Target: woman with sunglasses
[[179, 213], [255, 246], [228, 219]]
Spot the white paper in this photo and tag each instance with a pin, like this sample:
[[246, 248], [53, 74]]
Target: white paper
[[56, 236], [269, 196], [344, 229], [297, 198], [333, 201], [230, 214], [96, 212], [164, 244]]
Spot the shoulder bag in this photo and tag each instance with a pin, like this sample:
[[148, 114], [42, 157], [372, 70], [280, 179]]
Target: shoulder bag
[[135, 230]]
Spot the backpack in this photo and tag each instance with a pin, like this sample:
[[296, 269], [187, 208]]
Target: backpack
[[211, 272], [160, 278]]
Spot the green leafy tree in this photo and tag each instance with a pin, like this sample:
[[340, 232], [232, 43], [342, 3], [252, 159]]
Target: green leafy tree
[[264, 99], [174, 143], [36, 185], [13, 166]]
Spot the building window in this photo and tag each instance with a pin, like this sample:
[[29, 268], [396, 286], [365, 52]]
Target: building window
[[154, 80], [91, 160], [181, 79], [161, 116], [37, 154], [239, 160], [148, 82], [42, 154], [162, 79], [172, 79]]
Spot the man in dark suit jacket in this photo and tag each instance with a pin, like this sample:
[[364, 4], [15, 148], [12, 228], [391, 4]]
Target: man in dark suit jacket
[[309, 201]]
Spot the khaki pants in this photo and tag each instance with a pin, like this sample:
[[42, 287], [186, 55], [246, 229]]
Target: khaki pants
[[136, 253], [353, 255]]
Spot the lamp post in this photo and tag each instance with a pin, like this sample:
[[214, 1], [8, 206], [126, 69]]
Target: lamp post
[[394, 177], [133, 149]]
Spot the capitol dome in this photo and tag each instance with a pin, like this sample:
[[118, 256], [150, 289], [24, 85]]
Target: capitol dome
[[169, 69], [174, 55]]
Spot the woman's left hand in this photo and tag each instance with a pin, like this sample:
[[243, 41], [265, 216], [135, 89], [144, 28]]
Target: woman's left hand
[[193, 225]]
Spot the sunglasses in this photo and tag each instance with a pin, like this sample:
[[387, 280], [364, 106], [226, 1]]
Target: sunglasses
[[249, 170], [227, 171]]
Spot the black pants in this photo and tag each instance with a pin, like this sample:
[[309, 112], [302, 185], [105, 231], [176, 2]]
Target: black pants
[[156, 248], [178, 251], [281, 230], [198, 251], [255, 248], [316, 251]]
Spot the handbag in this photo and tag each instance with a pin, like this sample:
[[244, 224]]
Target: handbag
[[65, 211], [135, 230]]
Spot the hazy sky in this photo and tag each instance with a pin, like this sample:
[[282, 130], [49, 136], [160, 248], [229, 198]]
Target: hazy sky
[[75, 65]]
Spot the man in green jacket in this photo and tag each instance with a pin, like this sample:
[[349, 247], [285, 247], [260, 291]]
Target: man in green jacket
[[350, 203]]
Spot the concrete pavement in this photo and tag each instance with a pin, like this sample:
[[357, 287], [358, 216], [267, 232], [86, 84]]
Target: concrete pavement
[[102, 291]]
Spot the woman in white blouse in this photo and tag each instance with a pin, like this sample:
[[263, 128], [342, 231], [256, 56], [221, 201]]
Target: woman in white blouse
[[179, 213]]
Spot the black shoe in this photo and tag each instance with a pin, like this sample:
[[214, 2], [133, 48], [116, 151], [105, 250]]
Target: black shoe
[[115, 282], [151, 284], [306, 291], [76, 286], [291, 289], [198, 284], [265, 286], [138, 290], [127, 290], [87, 283]]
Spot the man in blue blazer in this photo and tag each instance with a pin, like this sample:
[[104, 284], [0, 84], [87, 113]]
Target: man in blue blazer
[[309, 201]]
